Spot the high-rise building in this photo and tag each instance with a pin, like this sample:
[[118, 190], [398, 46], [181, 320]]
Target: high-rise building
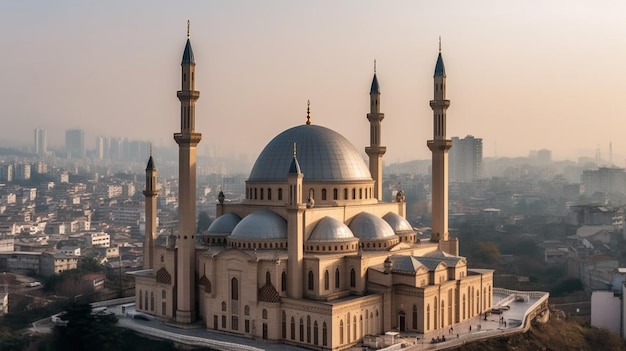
[[466, 159], [75, 143], [41, 142], [6, 172], [312, 255], [100, 143]]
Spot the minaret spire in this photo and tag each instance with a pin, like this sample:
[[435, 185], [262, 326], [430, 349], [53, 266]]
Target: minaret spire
[[308, 119], [375, 150], [187, 140], [188, 31], [439, 147]]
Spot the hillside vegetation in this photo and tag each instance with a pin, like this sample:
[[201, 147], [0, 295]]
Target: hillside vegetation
[[555, 335]]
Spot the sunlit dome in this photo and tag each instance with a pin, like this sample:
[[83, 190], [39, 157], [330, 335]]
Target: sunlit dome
[[370, 227], [398, 223], [323, 155], [331, 229], [260, 225]]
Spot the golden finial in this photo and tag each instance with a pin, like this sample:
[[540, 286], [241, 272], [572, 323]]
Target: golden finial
[[187, 29], [150, 149], [440, 43], [308, 113], [374, 66], [294, 150]]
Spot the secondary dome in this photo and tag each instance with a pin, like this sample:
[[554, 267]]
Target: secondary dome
[[323, 155], [398, 223], [260, 225], [330, 229], [224, 225], [370, 227]]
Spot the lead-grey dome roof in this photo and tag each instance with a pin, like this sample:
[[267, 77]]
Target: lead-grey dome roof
[[331, 229], [224, 224], [261, 225], [323, 155], [370, 227], [398, 223]]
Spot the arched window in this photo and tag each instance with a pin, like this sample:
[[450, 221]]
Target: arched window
[[283, 281], [293, 329], [340, 332], [436, 313], [353, 194], [264, 314], [427, 317], [443, 310], [315, 333], [152, 301], [323, 194], [308, 329], [337, 280], [464, 308], [261, 193], [268, 278], [352, 278], [335, 194], [223, 306], [326, 280], [284, 322], [354, 327], [450, 301], [255, 193], [140, 300], [269, 193], [246, 310], [345, 194], [234, 289], [280, 194], [414, 317], [301, 330], [324, 335], [311, 284], [348, 329]]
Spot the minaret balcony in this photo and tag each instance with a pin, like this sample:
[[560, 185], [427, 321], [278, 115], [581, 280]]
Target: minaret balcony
[[188, 95], [439, 144], [187, 138], [439, 103]]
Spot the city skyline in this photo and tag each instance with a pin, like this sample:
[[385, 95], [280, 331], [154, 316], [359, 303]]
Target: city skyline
[[524, 76]]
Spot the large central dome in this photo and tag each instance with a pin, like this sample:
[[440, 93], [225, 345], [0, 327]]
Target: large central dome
[[323, 155]]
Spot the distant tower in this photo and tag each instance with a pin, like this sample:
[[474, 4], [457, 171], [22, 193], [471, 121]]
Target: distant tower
[[151, 194], [375, 151], [187, 141], [41, 142], [439, 147], [75, 143]]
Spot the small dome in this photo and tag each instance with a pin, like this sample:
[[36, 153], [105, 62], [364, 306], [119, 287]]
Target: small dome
[[323, 155], [331, 229], [398, 223], [224, 224], [369, 227], [260, 225]]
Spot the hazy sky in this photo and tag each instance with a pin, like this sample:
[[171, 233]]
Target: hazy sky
[[522, 75]]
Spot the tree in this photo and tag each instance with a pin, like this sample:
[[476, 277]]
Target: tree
[[204, 221], [87, 331]]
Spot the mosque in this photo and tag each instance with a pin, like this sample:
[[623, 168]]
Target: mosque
[[312, 256]]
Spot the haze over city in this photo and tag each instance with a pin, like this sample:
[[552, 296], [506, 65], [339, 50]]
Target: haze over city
[[521, 75]]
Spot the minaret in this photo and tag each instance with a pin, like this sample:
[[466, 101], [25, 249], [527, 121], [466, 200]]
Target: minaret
[[375, 151], [439, 147], [295, 229], [151, 194], [187, 140]]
